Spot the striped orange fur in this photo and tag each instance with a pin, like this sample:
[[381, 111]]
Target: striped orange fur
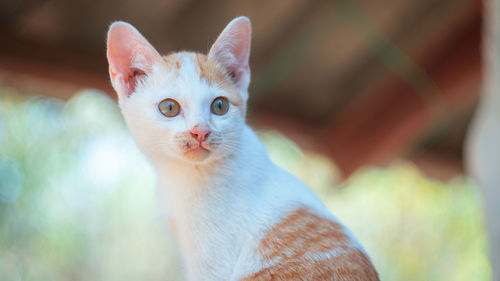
[[293, 248]]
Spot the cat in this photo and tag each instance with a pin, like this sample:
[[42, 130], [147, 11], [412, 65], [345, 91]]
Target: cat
[[233, 213]]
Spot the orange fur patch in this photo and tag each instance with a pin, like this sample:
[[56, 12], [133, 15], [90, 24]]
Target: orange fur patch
[[172, 62], [294, 246], [213, 74], [209, 70]]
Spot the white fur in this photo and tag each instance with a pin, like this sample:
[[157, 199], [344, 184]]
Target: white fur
[[221, 206]]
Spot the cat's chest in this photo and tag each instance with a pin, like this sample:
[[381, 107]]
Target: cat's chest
[[210, 231], [204, 239]]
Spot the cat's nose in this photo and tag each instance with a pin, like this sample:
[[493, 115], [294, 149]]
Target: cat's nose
[[200, 133]]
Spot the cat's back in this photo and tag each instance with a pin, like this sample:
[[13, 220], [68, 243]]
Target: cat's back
[[299, 239], [307, 246]]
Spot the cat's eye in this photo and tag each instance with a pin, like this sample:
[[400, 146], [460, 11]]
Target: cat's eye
[[169, 107], [220, 106]]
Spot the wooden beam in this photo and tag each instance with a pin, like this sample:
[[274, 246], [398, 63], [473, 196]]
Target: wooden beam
[[16, 71], [392, 120], [48, 65]]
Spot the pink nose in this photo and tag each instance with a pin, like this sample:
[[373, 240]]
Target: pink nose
[[201, 134]]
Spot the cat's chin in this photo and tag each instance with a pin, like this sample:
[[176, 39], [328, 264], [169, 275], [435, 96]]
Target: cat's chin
[[197, 155]]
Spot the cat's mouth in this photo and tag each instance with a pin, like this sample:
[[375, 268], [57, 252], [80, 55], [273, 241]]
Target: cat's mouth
[[198, 151], [198, 146]]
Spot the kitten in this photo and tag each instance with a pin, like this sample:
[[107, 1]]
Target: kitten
[[233, 213]]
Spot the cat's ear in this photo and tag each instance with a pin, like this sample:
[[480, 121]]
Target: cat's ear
[[130, 57], [232, 50]]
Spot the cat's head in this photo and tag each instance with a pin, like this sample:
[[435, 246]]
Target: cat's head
[[185, 105]]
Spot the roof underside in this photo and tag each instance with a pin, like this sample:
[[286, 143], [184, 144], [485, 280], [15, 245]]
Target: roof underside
[[364, 81]]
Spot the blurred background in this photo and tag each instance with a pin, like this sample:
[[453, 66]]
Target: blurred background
[[367, 101]]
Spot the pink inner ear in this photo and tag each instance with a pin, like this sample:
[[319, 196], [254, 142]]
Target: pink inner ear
[[134, 76], [130, 56], [232, 50]]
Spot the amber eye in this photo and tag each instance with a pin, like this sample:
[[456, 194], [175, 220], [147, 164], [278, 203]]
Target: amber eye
[[169, 107], [220, 106]]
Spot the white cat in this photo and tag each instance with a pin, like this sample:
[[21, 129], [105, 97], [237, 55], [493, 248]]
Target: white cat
[[233, 213]]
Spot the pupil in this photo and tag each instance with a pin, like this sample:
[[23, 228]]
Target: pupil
[[170, 106]]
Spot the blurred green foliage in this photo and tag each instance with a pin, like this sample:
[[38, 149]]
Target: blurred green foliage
[[77, 202]]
